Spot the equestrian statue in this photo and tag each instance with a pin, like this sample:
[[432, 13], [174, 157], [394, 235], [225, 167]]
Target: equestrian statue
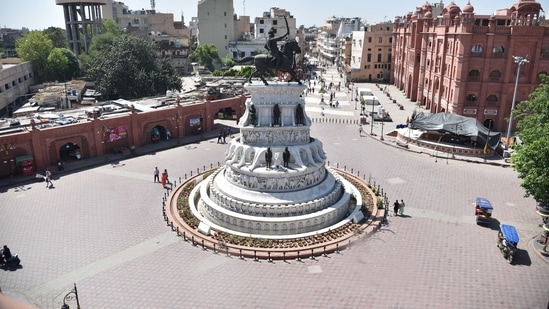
[[277, 59]]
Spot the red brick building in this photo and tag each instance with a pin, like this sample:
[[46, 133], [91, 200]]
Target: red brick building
[[99, 136], [462, 63]]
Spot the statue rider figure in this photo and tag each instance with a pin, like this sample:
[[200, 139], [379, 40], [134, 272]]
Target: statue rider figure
[[272, 47]]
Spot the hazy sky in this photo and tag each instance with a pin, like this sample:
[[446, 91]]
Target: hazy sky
[[41, 14]]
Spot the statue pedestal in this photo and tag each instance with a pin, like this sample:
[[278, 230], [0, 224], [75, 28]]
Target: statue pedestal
[[296, 195]]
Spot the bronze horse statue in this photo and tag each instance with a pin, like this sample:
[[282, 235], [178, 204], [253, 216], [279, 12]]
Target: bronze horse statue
[[264, 62]]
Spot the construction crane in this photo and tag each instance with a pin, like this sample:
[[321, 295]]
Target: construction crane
[[152, 4]]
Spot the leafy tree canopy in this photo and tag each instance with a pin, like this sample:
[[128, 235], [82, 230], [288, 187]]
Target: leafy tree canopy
[[35, 47], [73, 65], [110, 26], [57, 36], [130, 68], [56, 65], [531, 159], [206, 55]]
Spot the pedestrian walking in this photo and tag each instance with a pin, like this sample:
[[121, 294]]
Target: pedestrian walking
[[60, 166], [360, 129], [230, 132], [47, 177], [401, 207], [396, 205], [164, 178], [224, 134], [156, 173], [219, 137]]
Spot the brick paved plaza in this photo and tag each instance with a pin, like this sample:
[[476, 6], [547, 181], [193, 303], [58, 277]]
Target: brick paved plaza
[[102, 228]]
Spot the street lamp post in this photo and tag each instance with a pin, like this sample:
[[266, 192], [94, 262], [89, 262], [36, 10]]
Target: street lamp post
[[68, 296], [519, 61], [382, 125], [104, 131], [7, 147], [372, 115], [176, 118]]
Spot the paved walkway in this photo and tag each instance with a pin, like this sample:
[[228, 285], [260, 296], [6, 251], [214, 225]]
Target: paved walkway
[[101, 227]]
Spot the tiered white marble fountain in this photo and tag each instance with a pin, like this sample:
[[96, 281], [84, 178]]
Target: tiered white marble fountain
[[246, 197]]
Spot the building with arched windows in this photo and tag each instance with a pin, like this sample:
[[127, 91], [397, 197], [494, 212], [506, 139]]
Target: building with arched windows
[[460, 62]]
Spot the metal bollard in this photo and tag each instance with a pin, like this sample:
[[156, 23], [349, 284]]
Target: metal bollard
[[358, 174], [171, 225], [255, 256], [197, 170], [192, 241], [215, 250], [185, 175], [269, 259], [184, 237], [241, 256], [298, 258], [325, 254], [352, 170], [177, 231], [191, 174], [204, 168], [337, 248], [312, 257], [203, 246]]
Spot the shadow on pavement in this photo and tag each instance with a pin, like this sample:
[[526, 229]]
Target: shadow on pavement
[[522, 258]]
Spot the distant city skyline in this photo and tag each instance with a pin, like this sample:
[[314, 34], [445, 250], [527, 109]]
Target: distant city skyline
[[39, 15]]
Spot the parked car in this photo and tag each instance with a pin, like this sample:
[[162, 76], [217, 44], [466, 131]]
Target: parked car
[[66, 120], [14, 122]]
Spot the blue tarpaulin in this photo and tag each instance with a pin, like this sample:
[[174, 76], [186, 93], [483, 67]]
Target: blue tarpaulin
[[509, 233]]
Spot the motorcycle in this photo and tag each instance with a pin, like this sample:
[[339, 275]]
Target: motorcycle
[[507, 241], [11, 263]]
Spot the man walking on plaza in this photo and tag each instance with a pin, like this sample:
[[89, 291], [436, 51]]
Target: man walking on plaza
[[401, 207], [396, 205], [360, 129], [156, 174]]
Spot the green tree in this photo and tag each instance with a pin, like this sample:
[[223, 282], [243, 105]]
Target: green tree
[[35, 47], [101, 42], [110, 26], [73, 65], [57, 36], [57, 65], [206, 55], [130, 68], [531, 159]]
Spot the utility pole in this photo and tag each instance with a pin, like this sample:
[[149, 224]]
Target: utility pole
[[519, 61]]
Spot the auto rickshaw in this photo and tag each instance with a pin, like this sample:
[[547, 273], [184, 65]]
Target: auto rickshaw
[[507, 241], [483, 211]]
